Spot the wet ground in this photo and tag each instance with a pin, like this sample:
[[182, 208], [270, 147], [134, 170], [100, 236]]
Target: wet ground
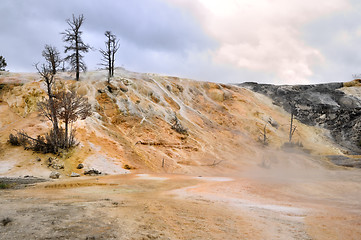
[[166, 206]]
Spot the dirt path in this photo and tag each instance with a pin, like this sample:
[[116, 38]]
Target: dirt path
[[141, 206]]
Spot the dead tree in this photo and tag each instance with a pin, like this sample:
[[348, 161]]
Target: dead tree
[[71, 107], [48, 108], [292, 128], [177, 126], [108, 55], [76, 46], [265, 138], [215, 163], [52, 56]]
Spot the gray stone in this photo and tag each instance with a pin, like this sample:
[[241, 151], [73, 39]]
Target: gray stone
[[54, 175], [273, 122], [6, 221], [80, 166], [73, 174], [92, 172], [54, 163]]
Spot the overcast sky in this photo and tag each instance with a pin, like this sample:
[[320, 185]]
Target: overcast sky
[[230, 41]]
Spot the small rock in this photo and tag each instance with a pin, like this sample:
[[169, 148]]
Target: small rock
[[49, 161], [38, 159], [92, 172], [6, 221], [57, 166], [273, 122], [54, 163], [73, 174], [54, 175], [80, 166]]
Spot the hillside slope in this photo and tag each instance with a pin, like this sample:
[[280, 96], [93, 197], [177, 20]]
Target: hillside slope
[[334, 106], [132, 124], [214, 181]]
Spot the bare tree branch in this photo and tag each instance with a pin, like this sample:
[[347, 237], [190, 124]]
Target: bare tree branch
[[71, 107], [52, 56], [108, 55], [72, 36]]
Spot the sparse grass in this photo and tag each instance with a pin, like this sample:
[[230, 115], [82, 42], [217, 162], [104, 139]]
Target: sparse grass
[[6, 221], [5, 186]]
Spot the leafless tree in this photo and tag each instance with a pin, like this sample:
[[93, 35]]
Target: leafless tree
[[108, 55], [265, 138], [177, 126], [76, 46], [292, 128], [48, 107], [215, 163], [52, 56], [71, 107]]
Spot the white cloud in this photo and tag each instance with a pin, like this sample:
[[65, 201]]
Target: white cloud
[[263, 35]]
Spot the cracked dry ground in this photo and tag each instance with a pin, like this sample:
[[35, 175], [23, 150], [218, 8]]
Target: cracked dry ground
[[141, 206]]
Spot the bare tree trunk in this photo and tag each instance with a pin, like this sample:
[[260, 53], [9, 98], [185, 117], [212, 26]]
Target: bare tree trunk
[[111, 47], [76, 45], [49, 80], [66, 134], [77, 59], [291, 128], [265, 135], [109, 61], [112, 64], [55, 123]]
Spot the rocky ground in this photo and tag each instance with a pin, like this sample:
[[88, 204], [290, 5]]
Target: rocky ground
[[334, 106]]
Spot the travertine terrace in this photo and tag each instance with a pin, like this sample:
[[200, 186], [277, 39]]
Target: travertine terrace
[[217, 181]]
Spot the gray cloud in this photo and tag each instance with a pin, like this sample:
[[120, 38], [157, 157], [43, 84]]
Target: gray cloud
[[282, 42], [338, 38], [144, 27]]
